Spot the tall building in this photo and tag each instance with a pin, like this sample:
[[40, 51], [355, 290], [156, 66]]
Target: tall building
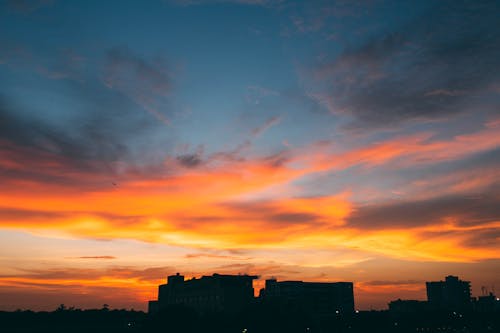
[[451, 294], [208, 293], [324, 298]]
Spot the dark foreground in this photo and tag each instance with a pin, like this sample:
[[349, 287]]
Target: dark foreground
[[253, 319]]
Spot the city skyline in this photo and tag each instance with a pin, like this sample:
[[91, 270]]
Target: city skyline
[[302, 140], [226, 303], [229, 293]]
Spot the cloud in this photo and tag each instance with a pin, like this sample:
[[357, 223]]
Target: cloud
[[147, 83], [423, 148], [255, 94], [67, 194], [81, 287], [62, 64], [470, 176], [15, 214], [249, 222], [51, 218], [265, 3], [444, 92], [484, 237], [460, 210], [27, 6], [281, 214], [267, 125], [214, 256], [322, 15], [192, 160], [433, 68], [99, 135], [393, 282], [149, 274], [169, 217], [97, 257], [230, 210]]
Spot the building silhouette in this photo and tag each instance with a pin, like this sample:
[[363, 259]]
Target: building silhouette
[[321, 298], [408, 306], [206, 294], [487, 303], [450, 294]]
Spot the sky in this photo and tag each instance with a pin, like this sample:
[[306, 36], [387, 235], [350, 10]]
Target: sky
[[302, 140]]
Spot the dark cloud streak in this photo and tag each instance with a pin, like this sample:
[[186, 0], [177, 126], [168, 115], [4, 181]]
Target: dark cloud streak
[[465, 210], [99, 129], [27, 6], [435, 67]]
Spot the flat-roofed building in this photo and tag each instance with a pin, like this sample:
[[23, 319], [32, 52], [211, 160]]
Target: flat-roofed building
[[324, 298], [208, 293]]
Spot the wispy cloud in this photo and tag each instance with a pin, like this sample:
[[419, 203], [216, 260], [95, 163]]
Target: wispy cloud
[[214, 255], [255, 94], [273, 121], [145, 82], [237, 2], [97, 257], [28, 6], [444, 92]]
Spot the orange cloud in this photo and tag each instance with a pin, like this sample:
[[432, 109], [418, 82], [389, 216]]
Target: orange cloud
[[403, 151], [82, 287], [216, 204]]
